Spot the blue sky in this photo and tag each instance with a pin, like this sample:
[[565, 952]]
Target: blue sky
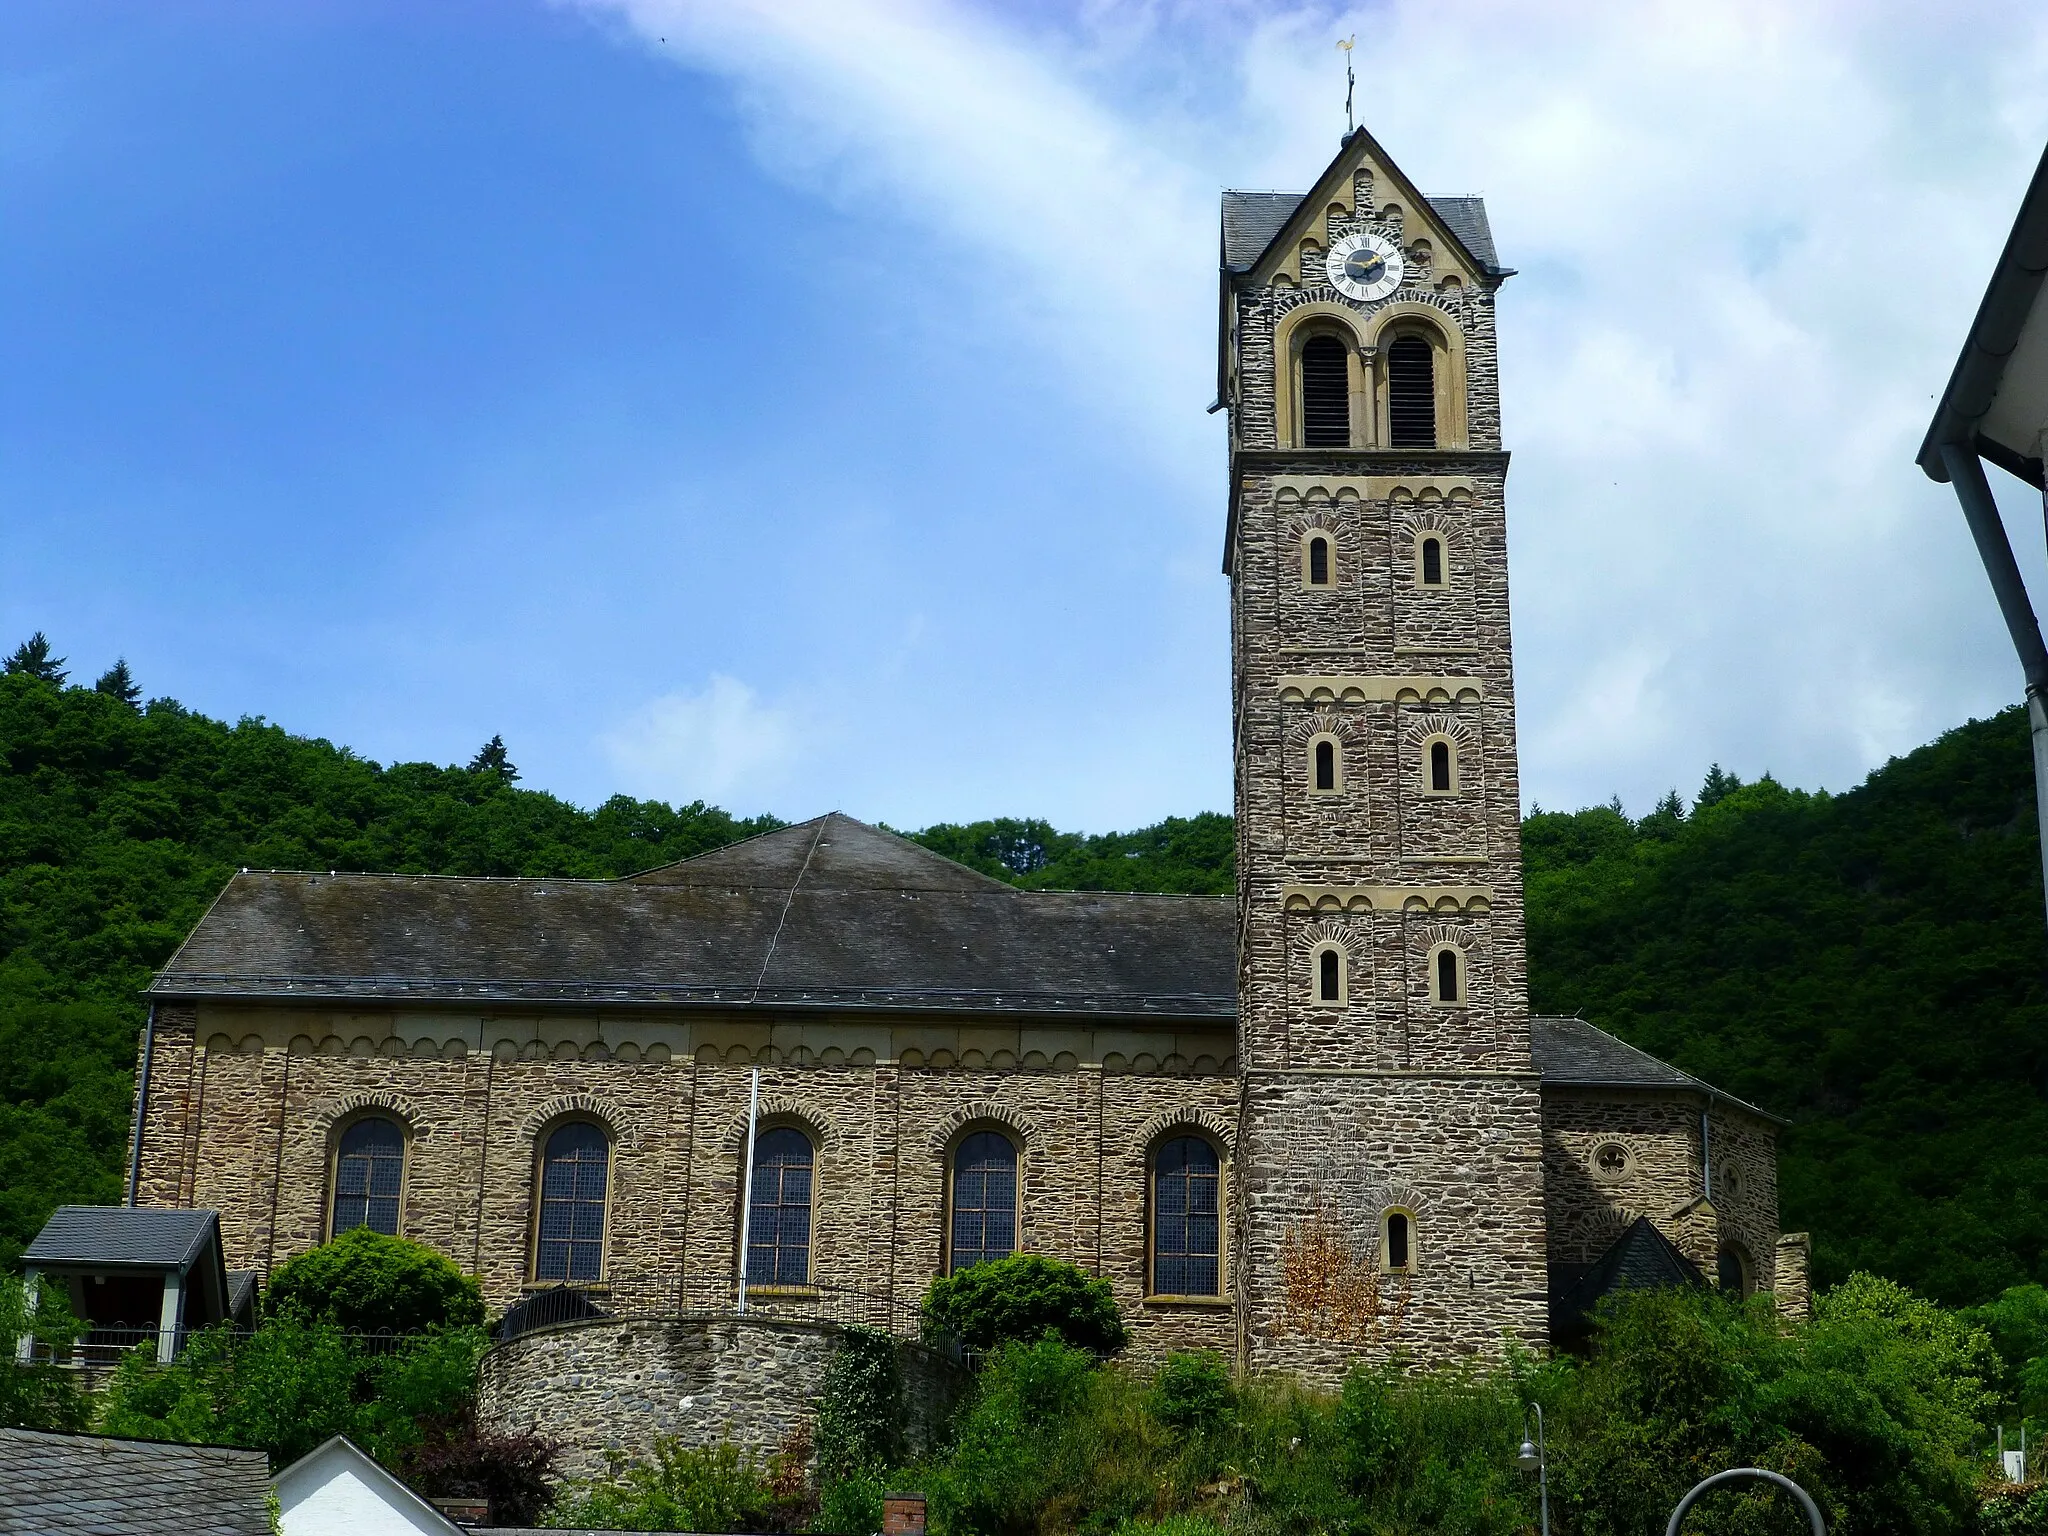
[[802, 405]]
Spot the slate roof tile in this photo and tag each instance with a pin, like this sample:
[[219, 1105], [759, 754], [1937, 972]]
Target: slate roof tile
[[57, 1485], [116, 1235]]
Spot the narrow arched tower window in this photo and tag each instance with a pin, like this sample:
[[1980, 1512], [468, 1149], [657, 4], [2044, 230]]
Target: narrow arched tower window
[[1326, 765], [1447, 975], [1432, 562], [1440, 766], [1319, 561], [984, 1200], [1399, 1243], [1411, 393], [369, 1174], [779, 1224], [1329, 981], [574, 1169], [1325, 394], [1186, 1222]]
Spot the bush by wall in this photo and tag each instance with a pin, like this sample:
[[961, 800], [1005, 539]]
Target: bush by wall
[[1023, 1299], [365, 1282]]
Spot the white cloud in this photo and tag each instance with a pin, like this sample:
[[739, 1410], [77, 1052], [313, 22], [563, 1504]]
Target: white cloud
[[722, 744], [1751, 235]]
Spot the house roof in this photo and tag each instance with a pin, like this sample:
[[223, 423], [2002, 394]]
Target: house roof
[[1570, 1053], [112, 1236], [830, 913], [1641, 1259], [59, 1484], [332, 1482], [1997, 397]]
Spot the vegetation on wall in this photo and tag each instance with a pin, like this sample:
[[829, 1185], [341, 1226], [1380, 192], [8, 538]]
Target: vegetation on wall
[[1870, 964], [1023, 1299]]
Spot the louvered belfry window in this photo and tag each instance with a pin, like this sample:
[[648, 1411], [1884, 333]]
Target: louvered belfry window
[[1187, 1219], [1319, 562], [1325, 394], [1411, 393], [1326, 765]]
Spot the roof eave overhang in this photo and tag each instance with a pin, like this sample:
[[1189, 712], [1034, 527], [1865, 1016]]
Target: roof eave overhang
[[1205, 1012], [1704, 1092], [2010, 300]]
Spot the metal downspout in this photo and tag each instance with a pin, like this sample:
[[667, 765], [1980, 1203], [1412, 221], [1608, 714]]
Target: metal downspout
[[1966, 473], [142, 1103]]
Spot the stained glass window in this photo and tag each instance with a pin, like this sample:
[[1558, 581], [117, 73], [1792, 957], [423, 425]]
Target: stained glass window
[[779, 1227], [1186, 1226], [369, 1173], [984, 1199], [573, 1173]]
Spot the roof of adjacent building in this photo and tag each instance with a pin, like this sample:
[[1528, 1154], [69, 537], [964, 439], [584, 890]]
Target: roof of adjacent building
[[59, 1484], [1252, 221], [1642, 1258], [1570, 1053], [828, 913], [1997, 396], [337, 1484], [113, 1236]]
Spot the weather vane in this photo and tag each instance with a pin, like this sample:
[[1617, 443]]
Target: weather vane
[[1349, 80]]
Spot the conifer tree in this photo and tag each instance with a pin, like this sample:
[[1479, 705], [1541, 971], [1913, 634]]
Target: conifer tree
[[1719, 786], [492, 758], [119, 682], [32, 658]]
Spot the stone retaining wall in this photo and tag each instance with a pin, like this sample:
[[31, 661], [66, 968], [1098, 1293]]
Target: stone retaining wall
[[620, 1384]]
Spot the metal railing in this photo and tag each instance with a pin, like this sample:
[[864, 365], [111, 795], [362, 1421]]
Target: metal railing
[[664, 1298], [100, 1347]]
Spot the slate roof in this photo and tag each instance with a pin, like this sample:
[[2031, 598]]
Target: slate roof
[[59, 1484], [1251, 220], [830, 913], [1570, 1053], [112, 1236], [1641, 1259]]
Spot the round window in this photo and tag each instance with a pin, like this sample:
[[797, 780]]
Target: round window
[[1611, 1162]]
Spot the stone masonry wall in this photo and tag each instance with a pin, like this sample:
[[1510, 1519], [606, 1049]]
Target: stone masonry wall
[[248, 1102], [620, 1386]]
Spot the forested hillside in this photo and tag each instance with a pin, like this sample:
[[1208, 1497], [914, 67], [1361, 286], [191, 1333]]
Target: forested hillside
[[1869, 964]]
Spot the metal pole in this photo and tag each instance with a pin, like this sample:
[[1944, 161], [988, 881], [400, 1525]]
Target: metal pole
[[1542, 1470], [142, 1101], [1966, 474], [1742, 1474], [747, 1187]]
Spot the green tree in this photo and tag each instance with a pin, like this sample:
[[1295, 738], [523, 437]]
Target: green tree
[[118, 683], [1025, 1298], [365, 1282], [38, 1393], [32, 658], [493, 759]]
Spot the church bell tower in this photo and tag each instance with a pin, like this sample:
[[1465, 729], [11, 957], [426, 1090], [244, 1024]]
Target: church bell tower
[[1389, 1166]]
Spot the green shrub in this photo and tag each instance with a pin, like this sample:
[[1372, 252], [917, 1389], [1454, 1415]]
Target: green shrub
[[1023, 1299], [365, 1282], [860, 1408], [38, 1395], [851, 1504], [1193, 1392], [684, 1488]]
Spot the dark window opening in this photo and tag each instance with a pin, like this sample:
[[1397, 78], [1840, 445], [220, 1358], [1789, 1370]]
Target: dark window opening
[[573, 1170], [1328, 983], [779, 1221], [1732, 1273], [1399, 1254], [1411, 393], [1326, 765], [1319, 562], [1440, 766], [984, 1200], [1187, 1224], [1432, 562], [1447, 975], [1325, 394], [369, 1172]]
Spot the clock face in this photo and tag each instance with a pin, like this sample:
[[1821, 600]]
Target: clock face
[[1364, 267]]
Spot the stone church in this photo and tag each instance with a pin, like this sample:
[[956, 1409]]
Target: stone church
[[1311, 1124]]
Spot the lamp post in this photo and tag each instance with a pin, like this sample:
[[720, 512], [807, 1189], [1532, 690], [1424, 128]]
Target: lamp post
[[1755, 1475], [1531, 1459]]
